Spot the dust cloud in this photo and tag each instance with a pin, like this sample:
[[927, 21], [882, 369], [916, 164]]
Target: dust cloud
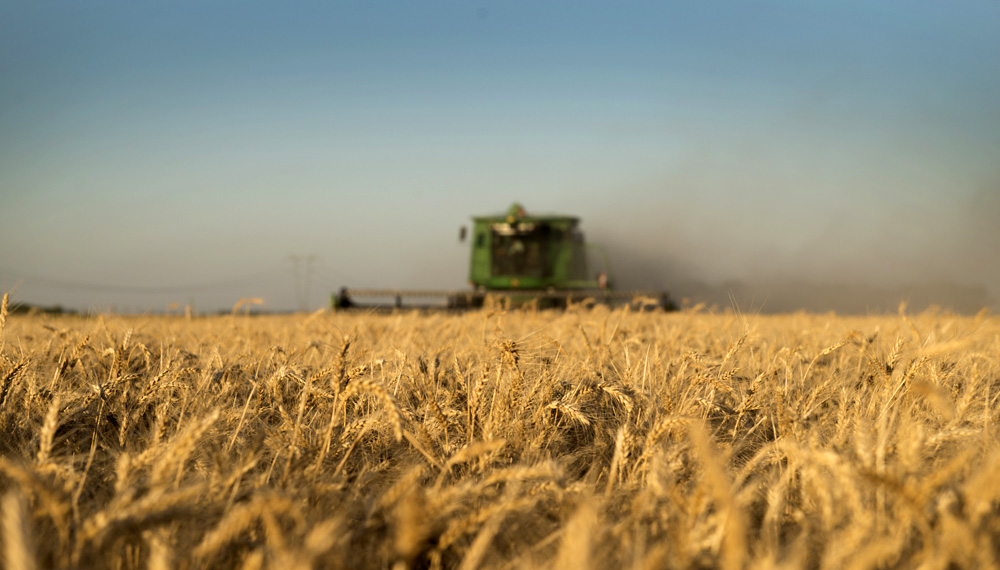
[[853, 263]]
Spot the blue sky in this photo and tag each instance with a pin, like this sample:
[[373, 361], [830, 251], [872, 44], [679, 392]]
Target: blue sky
[[159, 152]]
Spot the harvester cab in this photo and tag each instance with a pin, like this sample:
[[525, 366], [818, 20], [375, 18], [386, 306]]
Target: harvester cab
[[515, 251]]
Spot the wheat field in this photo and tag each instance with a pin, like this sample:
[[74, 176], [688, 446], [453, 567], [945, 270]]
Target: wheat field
[[587, 438]]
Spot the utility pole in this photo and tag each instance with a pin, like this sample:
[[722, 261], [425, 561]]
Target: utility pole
[[302, 289]]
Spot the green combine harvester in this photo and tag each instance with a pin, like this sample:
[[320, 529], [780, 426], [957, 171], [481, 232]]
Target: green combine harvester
[[520, 259]]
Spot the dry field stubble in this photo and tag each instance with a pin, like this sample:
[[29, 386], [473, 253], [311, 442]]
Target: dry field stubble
[[588, 438]]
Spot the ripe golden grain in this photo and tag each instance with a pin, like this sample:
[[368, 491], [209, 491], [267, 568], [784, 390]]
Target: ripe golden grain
[[616, 439]]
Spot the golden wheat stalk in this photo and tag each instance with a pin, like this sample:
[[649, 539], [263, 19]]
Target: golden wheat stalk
[[4, 305], [18, 546]]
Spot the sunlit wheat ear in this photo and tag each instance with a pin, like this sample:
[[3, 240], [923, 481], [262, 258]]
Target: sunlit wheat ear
[[474, 404], [48, 431], [616, 392], [375, 388], [181, 447], [474, 451], [3, 312], [734, 349], [570, 410], [894, 354], [342, 364], [619, 456]]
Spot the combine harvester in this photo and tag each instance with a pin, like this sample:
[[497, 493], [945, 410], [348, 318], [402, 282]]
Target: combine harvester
[[519, 259]]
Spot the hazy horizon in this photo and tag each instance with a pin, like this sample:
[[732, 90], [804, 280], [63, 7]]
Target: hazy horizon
[[187, 152]]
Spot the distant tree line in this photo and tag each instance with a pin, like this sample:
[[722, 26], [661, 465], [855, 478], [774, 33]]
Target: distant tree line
[[30, 309]]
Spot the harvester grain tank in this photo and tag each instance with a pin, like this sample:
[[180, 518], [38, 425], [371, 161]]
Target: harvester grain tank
[[524, 258]]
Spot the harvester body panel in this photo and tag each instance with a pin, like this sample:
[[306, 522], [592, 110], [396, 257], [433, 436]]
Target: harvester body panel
[[518, 251]]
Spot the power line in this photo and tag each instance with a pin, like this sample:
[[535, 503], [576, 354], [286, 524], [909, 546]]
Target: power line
[[112, 288]]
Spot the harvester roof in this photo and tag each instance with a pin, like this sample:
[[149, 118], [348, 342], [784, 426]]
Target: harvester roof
[[516, 213]]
